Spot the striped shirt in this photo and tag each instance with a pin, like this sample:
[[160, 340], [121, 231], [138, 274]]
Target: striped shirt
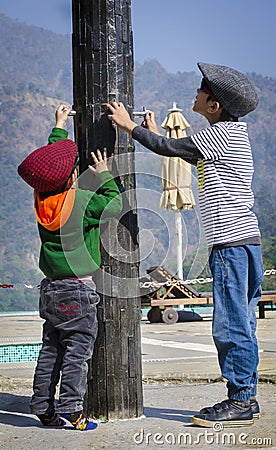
[[224, 178], [223, 156]]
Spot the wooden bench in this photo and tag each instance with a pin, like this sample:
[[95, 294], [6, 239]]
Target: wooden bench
[[268, 298]]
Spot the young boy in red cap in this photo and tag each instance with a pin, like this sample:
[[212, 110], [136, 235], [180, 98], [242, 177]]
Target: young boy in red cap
[[68, 223], [222, 153]]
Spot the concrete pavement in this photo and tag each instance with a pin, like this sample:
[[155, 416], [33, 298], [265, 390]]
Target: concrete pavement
[[179, 352], [179, 372]]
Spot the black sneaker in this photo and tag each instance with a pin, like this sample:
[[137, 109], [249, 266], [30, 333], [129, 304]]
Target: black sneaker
[[255, 409], [51, 420], [253, 403], [230, 413]]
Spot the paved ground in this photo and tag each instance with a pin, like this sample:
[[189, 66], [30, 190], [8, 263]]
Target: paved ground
[[179, 352], [178, 362], [166, 424]]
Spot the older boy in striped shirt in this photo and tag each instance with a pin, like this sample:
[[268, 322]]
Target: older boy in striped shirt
[[222, 153]]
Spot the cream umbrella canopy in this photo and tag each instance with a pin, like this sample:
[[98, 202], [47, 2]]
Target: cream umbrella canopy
[[176, 179]]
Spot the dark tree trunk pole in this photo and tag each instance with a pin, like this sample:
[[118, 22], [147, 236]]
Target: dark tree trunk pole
[[102, 71]]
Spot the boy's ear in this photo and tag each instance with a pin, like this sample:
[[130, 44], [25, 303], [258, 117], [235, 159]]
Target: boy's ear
[[213, 107]]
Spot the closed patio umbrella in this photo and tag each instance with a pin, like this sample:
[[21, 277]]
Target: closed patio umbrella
[[176, 179]]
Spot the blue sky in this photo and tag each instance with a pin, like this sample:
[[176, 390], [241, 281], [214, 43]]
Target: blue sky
[[178, 33]]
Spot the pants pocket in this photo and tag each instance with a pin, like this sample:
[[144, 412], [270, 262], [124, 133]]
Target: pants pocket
[[223, 257], [93, 299], [67, 308], [218, 259]]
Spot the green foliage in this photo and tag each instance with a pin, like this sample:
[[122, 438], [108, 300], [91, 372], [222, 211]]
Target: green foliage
[[266, 210], [35, 77], [269, 252]]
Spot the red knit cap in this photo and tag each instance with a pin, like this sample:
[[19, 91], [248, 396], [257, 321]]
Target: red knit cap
[[48, 168]]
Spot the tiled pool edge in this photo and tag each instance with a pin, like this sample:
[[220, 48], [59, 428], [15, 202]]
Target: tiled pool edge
[[19, 353]]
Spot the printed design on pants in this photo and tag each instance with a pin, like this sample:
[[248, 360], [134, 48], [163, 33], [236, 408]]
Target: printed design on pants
[[68, 306], [70, 309]]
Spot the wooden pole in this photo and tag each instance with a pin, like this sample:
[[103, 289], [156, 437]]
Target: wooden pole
[[103, 71]]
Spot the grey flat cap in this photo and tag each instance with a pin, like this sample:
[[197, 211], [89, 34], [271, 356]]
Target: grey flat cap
[[231, 88]]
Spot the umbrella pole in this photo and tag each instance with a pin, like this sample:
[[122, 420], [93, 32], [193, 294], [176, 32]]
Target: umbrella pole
[[179, 254], [178, 226]]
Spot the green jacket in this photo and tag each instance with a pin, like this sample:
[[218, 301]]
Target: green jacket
[[68, 225]]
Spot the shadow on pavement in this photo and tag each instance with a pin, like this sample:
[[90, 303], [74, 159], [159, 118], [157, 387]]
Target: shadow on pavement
[[169, 414], [15, 410], [14, 403], [17, 420]]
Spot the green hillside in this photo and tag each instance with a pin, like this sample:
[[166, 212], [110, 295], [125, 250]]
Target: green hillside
[[34, 58], [35, 76]]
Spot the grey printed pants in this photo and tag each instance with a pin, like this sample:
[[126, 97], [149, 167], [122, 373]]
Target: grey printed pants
[[69, 333]]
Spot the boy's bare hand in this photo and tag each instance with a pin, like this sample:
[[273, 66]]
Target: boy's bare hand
[[100, 162], [119, 115], [149, 122], [61, 115]]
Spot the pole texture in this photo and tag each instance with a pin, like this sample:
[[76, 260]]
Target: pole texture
[[103, 71]]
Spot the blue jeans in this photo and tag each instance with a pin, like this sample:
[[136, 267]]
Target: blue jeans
[[237, 277], [69, 332]]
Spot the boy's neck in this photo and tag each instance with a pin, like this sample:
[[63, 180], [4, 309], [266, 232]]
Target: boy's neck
[[217, 117], [212, 118]]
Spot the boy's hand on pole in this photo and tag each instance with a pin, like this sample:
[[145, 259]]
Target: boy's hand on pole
[[119, 115], [62, 113], [150, 123], [100, 162]]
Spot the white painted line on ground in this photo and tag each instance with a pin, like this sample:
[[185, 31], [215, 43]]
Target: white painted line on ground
[[183, 345], [177, 359]]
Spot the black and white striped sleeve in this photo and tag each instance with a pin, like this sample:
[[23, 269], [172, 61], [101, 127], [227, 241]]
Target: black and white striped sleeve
[[212, 142]]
